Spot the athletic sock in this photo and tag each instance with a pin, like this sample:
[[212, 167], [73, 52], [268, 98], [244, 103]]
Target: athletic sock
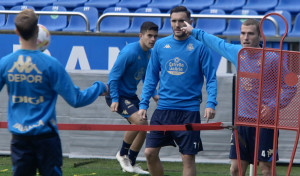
[[132, 156], [125, 148]]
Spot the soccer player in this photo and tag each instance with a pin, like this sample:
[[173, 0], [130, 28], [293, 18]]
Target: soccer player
[[33, 81], [128, 70], [179, 62], [250, 37]]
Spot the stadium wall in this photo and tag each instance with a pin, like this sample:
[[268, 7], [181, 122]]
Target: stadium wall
[[88, 58]]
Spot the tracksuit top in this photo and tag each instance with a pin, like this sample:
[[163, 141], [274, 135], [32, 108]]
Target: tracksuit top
[[251, 63], [33, 81], [180, 66], [128, 70]]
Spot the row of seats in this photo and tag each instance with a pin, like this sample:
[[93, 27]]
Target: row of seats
[[128, 25], [261, 6]]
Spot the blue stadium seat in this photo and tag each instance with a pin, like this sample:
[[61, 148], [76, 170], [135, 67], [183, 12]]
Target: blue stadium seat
[[212, 26], [292, 6], [115, 24], [269, 27], [101, 4], [39, 3], [296, 28], [2, 17], [234, 25], [11, 3], [77, 23], [197, 5], [138, 21], [228, 5], [261, 6], [10, 23], [69, 3], [53, 22], [166, 28], [133, 4], [164, 5]]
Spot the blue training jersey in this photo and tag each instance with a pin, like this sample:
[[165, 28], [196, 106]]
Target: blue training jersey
[[33, 81], [180, 66], [128, 70], [251, 63]]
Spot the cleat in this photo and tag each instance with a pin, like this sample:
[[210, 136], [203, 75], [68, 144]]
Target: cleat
[[124, 162], [137, 169]]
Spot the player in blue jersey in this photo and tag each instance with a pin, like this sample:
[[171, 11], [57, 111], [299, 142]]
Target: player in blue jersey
[[250, 37], [33, 81], [179, 63], [128, 70]]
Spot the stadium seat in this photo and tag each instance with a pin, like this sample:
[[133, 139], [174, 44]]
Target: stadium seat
[[133, 4], [10, 23], [39, 3], [101, 4], [260, 6], [228, 5], [138, 21], [69, 3], [292, 6], [209, 25], [269, 28], [2, 17], [296, 28], [166, 28], [234, 25], [53, 22], [115, 24], [11, 3], [197, 5], [164, 5], [77, 23]]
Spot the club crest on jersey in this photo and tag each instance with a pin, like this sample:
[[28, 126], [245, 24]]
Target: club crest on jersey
[[190, 47], [176, 66]]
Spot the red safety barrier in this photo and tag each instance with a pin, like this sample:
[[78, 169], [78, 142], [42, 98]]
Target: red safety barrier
[[110, 127]]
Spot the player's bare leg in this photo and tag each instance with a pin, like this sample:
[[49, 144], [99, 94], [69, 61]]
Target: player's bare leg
[[154, 164], [266, 168], [189, 165], [234, 168], [136, 138]]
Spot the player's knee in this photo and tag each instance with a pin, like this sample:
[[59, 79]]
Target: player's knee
[[265, 170], [234, 170], [150, 155]]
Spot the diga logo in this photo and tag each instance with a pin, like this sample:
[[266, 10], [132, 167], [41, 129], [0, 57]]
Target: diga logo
[[24, 67], [25, 99]]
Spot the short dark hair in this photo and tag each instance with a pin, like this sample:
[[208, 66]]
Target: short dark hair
[[181, 9], [254, 22], [148, 25], [26, 23]]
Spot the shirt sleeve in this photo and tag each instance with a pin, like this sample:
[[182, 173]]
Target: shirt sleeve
[[116, 74], [64, 86], [229, 51], [151, 80], [211, 80]]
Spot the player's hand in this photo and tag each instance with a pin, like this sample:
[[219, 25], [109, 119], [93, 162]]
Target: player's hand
[[143, 113], [209, 113], [266, 112], [155, 98], [188, 29], [106, 92], [114, 106]]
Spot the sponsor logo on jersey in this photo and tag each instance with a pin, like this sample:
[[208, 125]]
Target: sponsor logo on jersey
[[24, 128], [167, 46], [176, 66], [24, 69], [140, 74]]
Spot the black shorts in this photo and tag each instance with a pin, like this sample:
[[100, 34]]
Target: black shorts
[[127, 106], [30, 153], [189, 142]]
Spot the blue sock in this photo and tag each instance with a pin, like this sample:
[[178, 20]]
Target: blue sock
[[125, 148], [132, 156]]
